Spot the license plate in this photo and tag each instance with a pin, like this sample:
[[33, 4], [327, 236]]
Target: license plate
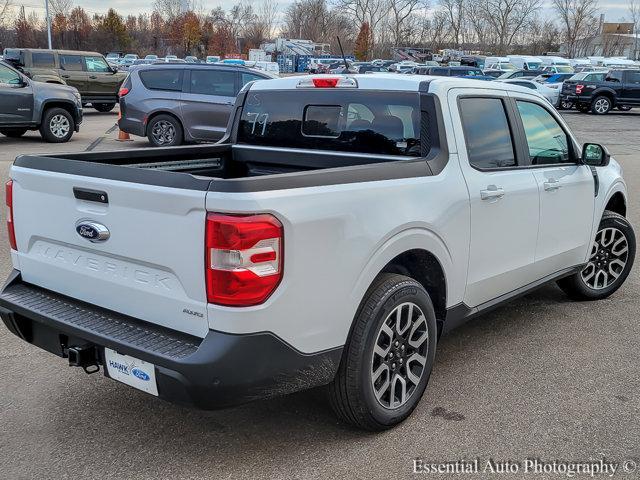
[[132, 371]]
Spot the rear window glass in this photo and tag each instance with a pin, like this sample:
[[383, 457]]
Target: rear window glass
[[386, 123], [170, 79], [43, 60]]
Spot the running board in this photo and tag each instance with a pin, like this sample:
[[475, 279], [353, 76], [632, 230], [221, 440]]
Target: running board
[[461, 313]]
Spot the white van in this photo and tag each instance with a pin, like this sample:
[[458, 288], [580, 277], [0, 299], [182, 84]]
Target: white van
[[525, 62], [499, 63], [271, 67]]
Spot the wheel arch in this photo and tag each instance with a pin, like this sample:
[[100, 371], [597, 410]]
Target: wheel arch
[[606, 92], [56, 103], [617, 203], [154, 114], [417, 253]]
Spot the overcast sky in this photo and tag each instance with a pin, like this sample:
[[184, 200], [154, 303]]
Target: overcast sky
[[615, 10]]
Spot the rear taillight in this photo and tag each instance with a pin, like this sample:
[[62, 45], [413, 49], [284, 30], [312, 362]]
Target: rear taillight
[[244, 258], [10, 227], [123, 91], [579, 89]]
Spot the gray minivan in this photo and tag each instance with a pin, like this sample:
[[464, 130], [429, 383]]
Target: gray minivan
[[175, 103]]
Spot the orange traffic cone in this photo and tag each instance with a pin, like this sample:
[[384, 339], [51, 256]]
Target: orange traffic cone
[[123, 136]]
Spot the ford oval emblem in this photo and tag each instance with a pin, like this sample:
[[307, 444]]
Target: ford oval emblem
[[142, 375], [93, 231]]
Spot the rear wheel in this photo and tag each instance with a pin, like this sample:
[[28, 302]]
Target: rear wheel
[[104, 107], [57, 125], [388, 358], [601, 105], [13, 132], [164, 131], [610, 261]]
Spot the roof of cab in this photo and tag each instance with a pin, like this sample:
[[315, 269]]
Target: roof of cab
[[395, 82]]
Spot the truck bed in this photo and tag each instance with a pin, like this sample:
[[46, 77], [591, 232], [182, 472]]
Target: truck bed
[[230, 167]]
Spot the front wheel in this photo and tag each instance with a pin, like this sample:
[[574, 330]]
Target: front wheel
[[388, 358], [612, 254], [104, 107], [57, 125]]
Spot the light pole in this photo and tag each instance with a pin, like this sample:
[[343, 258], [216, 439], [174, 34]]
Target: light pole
[[46, 8]]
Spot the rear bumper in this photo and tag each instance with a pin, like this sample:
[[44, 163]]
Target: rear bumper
[[134, 127], [217, 371]]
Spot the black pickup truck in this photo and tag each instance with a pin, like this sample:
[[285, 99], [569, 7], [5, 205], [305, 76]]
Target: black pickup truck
[[618, 89]]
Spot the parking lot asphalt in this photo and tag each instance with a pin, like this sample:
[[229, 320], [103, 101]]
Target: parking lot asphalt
[[542, 377]]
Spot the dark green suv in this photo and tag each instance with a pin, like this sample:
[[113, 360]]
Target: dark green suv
[[97, 82]]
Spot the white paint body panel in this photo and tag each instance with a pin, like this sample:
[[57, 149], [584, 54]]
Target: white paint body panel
[[337, 238]]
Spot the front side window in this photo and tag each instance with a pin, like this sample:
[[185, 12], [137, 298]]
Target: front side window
[[213, 82], [168, 80], [487, 133], [548, 143], [386, 123], [9, 77], [633, 77], [96, 64], [43, 60], [72, 63]]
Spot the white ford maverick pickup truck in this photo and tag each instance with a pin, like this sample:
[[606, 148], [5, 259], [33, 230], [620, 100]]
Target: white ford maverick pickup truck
[[342, 226]]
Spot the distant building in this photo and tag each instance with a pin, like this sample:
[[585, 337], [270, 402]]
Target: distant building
[[612, 40]]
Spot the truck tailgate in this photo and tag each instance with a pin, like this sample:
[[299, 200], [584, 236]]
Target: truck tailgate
[[151, 266]]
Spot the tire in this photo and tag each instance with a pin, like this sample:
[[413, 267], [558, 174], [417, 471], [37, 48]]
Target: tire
[[352, 392], [606, 250], [565, 105], [104, 107], [57, 125], [601, 105], [624, 108], [164, 131], [13, 132]]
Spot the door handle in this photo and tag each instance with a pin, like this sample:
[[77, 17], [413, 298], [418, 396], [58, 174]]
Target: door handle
[[492, 192], [552, 184], [93, 77], [65, 76]]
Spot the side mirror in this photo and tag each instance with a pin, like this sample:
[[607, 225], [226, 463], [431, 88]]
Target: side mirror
[[595, 155]]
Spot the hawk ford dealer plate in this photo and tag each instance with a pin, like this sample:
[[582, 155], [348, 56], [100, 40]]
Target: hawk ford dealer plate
[[135, 373]]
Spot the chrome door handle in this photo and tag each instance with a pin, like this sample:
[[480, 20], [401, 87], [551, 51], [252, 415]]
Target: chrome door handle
[[552, 184], [92, 77], [492, 192]]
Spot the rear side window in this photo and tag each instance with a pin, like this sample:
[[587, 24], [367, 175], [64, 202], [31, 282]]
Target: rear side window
[[71, 63], [43, 60], [487, 133], [169, 79], [213, 82], [386, 123]]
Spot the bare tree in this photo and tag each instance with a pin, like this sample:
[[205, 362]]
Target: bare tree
[[401, 13], [168, 9], [60, 7], [508, 18], [577, 19], [634, 12], [456, 15], [5, 8]]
